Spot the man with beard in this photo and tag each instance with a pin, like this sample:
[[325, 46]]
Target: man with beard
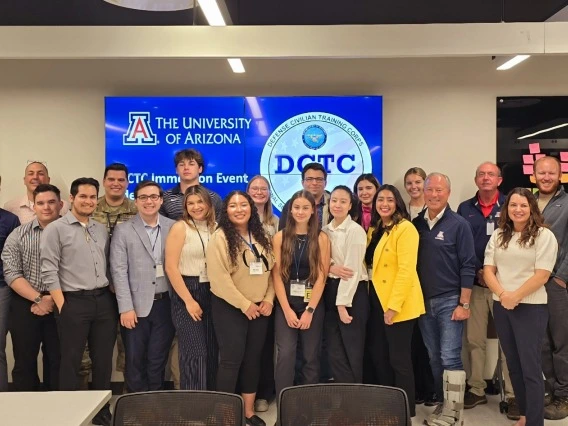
[[553, 203], [74, 269]]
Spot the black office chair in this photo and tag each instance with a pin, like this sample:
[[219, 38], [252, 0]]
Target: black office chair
[[179, 408], [343, 405]]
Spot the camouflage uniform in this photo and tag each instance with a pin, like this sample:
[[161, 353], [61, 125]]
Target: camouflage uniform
[[110, 217]]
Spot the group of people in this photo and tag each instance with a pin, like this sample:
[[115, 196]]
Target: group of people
[[351, 285]]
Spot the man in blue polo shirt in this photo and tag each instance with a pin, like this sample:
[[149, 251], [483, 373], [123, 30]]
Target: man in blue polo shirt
[[446, 268]]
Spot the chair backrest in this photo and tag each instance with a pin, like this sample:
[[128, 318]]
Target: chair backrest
[[179, 408], [343, 405]]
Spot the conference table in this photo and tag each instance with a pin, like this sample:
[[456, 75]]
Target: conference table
[[51, 408]]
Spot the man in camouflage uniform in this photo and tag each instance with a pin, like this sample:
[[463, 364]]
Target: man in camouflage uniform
[[113, 208]]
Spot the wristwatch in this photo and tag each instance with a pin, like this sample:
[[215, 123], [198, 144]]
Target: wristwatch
[[464, 305], [310, 310], [38, 299]]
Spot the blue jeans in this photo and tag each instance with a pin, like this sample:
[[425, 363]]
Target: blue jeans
[[5, 296], [442, 337]]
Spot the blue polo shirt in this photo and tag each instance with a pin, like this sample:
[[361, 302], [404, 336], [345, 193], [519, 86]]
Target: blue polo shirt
[[8, 222], [446, 255], [471, 211]]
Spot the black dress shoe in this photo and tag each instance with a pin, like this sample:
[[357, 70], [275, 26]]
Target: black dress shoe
[[255, 421], [431, 400], [419, 400]]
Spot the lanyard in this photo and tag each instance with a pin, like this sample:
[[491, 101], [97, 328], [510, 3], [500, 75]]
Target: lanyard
[[297, 261], [111, 225], [201, 239], [155, 239], [251, 246]]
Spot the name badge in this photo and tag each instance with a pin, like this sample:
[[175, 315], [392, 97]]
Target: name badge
[[490, 228], [298, 289], [159, 270], [203, 278], [256, 268]]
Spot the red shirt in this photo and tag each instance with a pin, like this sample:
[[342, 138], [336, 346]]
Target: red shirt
[[486, 208]]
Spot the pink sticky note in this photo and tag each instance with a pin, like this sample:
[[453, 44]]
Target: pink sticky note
[[564, 167], [528, 169], [534, 148], [563, 155], [528, 159], [537, 156]]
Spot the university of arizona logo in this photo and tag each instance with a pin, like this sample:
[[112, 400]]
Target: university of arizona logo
[[139, 130]]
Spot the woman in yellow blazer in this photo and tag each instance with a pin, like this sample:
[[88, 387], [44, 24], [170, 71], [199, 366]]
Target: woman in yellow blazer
[[395, 293]]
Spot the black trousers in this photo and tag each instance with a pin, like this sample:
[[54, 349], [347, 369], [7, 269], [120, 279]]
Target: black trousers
[[240, 347], [147, 347], [391, 351], [346, 342], [87, 317], [424, 380], [28, 332], [266, 385], [555, 346], [286, 344], [197, 345], [522, 332]]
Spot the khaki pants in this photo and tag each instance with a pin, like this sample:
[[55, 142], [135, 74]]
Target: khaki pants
[[481, 304], [174, 363]]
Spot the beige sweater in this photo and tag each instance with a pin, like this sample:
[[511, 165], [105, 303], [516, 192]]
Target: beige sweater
[[236, 285]]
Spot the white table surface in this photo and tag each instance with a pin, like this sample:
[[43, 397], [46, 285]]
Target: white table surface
[[51, 408]]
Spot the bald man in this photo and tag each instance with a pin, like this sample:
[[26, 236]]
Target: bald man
[[35, 174]]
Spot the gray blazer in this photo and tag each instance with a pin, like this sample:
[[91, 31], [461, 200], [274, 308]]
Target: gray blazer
[[132, 265]]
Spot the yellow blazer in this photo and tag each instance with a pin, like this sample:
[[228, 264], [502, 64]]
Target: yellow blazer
[[394, 273]]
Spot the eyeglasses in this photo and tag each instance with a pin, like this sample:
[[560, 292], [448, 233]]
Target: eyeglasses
[[314, 179], [258, 189], [153, 197], [488, 174]]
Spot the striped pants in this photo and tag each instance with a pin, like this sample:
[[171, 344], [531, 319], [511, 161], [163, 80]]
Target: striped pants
[[198, 351]]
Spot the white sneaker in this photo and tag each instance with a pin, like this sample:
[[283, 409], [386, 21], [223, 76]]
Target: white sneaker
[[261, 405]]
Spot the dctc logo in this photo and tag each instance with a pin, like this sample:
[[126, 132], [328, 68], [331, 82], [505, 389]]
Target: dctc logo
[[313, 137]]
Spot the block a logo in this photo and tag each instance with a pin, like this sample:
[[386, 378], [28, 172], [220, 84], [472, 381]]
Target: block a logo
[[139, 130], [313, 137]]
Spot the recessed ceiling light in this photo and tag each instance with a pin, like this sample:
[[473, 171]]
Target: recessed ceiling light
[[513, 62], [154, 5]]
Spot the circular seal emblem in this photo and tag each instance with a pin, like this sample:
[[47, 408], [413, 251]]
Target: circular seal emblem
[[314, 137]]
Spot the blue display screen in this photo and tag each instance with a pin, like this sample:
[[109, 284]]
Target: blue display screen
[[240, 137]]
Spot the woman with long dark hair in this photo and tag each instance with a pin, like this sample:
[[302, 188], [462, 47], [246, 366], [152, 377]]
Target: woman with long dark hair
[[346, 297], [239, 261], [186, 246], [519, 259], [365, 188], [302, 260], [395, 292]]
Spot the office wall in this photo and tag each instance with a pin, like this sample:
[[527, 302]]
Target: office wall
[[439, 113]]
